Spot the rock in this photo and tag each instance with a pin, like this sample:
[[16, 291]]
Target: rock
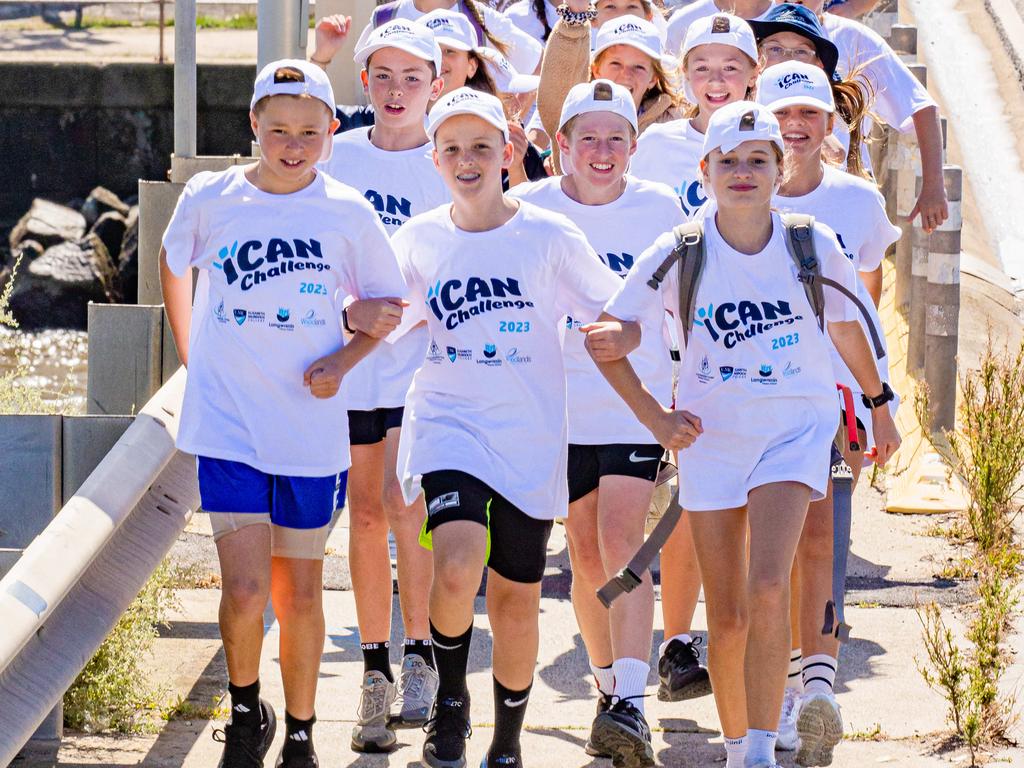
[[100, 201], [128, 260], [110, 228], [48, 224], [56, 288]]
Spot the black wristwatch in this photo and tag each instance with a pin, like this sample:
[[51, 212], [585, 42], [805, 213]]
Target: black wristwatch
[[880, 400], [344, 321]]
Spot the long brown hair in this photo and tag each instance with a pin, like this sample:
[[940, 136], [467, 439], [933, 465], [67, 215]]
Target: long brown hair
[[853, 96], [469, 7]]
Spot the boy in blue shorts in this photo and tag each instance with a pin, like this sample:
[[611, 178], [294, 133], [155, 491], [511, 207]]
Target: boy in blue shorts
[[278, 246]]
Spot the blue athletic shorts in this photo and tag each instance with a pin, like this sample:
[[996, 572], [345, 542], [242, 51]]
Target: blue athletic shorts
[[291, 502]]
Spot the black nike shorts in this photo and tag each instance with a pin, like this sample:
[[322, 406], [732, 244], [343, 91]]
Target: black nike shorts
[[370, 427], [589, 463]]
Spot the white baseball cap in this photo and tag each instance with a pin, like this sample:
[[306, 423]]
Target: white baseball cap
[[303, 78], [409, 36], [506, 77], [795, 83], [738, 122], [599, 96], [466, 101], [450, 28], [721, 29], [633, 31]]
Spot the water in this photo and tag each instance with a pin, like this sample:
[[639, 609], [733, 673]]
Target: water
[[52, 362]]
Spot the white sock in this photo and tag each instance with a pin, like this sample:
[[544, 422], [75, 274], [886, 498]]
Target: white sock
[[735, 751], [760, 747], [683, 638], [605, 678], [819, 673], [794, 679], [631, 680]]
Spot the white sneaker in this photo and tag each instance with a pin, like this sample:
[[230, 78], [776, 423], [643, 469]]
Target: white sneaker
[[820, 727], [417, 688], [371, 733], [788, 738]]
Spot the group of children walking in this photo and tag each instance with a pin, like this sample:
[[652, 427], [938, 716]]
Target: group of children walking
[[566, 250]]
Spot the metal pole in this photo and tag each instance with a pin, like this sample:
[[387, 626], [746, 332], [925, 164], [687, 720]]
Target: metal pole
[[163, 23], [185, 85], [282, 27]]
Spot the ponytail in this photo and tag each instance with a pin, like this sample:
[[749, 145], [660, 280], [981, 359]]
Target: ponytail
[[470, 8], [541, 11], [853, 96]]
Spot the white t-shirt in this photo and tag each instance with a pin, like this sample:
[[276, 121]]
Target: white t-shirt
[[524, 51], [522, 14], [855, 211], [898, 95], [399, 185], [490, 398], [274, 270], [680, 21], [619, 231], [670, 153], [755, 339]]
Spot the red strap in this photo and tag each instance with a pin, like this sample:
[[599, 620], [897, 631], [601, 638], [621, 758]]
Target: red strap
[[851, 417]]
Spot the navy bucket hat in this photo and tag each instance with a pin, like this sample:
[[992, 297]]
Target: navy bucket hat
[[789, 17]]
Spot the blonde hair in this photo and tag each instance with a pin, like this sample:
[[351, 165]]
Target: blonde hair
[[666, 81], [694, 109]]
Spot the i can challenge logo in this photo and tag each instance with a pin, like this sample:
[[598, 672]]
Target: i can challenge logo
[[730, 323], [253, 264], [454, 303]]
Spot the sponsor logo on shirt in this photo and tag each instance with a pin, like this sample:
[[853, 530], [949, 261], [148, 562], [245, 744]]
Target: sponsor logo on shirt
[[389, 207], [733, 322], [283, 313], [704, 373], [691, 196], [283, 316], [490, 353], [220, 314], [789, 371], [252, 317], [312, 320], [454, 302], [490, 350], [764, 376], [253, 264], [619, 263], [513, 357], [459, 354], [434, 353], [729, 372]]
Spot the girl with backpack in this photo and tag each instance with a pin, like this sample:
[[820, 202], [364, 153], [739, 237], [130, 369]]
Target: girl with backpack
[[801, 99], [757, 404]]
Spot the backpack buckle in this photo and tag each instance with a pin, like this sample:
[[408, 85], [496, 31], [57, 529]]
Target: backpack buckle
[[690, 239]]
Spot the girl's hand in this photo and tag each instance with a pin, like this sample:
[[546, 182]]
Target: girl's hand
[[932, 205], [610, 340], [676, 430], [520, 143], [887, 437], [324, 376], [330, 36], [578, 6], [375, 317]]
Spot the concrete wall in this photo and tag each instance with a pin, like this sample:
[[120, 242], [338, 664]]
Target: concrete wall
[[64, 128]]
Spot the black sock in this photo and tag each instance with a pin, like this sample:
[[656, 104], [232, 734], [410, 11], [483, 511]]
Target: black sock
[[452, 657], [377, 656], [298, 740], [422, 648], [509, 712], [245, 704]]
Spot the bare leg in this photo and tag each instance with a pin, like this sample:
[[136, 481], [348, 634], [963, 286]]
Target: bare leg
[[245, 576], [369, 557], [297, 586], [588, 575], [513, 609]]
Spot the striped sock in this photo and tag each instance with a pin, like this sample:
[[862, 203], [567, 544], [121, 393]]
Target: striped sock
[[819, 673], [794, 680]]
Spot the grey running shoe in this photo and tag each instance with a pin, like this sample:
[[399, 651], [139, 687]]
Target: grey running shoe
[[371, 733], [246, 747], [820, 727], [622, 732], [417, 688], [604, 703], [788, 739], [682, 676]]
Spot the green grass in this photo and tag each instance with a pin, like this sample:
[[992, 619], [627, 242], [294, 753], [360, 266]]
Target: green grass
[[240, 21]]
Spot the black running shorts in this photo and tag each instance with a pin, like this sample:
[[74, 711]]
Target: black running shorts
[[370, 427], [589, 463], [519, 543]]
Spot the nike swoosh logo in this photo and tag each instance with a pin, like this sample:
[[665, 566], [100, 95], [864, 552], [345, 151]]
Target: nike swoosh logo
[[446, 647], [637, 459], [510, 703]]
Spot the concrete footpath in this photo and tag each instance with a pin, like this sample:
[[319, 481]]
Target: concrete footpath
[[891, 715]]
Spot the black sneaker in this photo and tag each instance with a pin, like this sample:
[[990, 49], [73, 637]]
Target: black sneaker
[[246, 747], [298, 761], [447, 731], [604, 703], [682, 676], [622, 733], [502, 760]]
